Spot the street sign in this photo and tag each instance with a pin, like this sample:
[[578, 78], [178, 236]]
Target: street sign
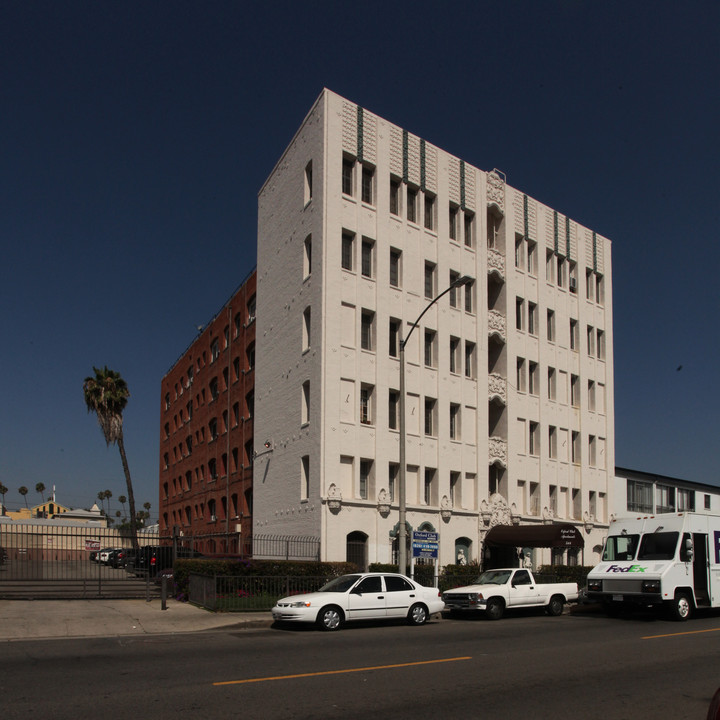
[[424, 544]]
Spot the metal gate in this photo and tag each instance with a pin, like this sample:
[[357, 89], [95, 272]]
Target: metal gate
[[69, 561]]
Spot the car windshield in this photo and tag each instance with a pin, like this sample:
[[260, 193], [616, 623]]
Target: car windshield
[[494, 577], [341, 584], [658, 546], [621, 547]]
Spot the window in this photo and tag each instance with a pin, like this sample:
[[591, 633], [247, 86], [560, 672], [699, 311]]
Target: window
[[347, 176], [574, 390], [534, 438], [591, 395], [250, 355], [470, 371], [493, 230], [519, 314], [639, 496], [552, 387], [561, 272], [429, 490], [552, 500], [306, 329], [250, 403], [212, 427], [394, 196], [429, 348], [430, 410], [307, 256], [394, 344], [308, 182], [573, 276], [367, 255], [599, 290], [368, 176], [366, 478], [393, 474], [251, 305], [469, 227], [395, 268], [304, 477], [551, 325], [469, 295], [533, 378], [236, 414], [453, 296], [454, 421], [393, 407], [305, 417], [520, 375], [685, 500], [367, 330], [601, 344], [429, 214], [519, 251], [574, 336], [454, 355], [707, 502], [532, 318], [214, 350], [532, 257], [366, 404], [214, 391], [575, 443], [348, 247], [592, 457], [453, 222], [591, 340], [552, 442], [430, 280], [589, 285], [236, 374], [550, 266], [412, 205], [592, 504]]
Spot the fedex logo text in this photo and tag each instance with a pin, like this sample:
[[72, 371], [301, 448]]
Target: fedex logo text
[[630, 568]]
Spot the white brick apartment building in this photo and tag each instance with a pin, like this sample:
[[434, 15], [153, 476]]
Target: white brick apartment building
[[509, 379]]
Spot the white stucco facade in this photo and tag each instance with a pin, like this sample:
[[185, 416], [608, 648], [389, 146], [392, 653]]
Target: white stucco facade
[[509, 380]]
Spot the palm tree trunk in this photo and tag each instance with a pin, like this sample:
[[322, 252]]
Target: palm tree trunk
[[131, 495]]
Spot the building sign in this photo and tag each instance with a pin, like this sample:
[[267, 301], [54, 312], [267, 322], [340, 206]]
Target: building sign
[[424, 544], [92, 545]]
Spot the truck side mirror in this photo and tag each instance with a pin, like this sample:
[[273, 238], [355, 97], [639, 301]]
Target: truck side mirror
[[688, 549]]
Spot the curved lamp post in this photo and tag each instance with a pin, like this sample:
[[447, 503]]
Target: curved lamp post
[[402, 527]]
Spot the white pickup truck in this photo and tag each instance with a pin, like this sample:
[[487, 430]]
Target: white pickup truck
[[508, 588]]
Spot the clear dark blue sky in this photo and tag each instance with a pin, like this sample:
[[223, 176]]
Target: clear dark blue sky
[[134, 137]]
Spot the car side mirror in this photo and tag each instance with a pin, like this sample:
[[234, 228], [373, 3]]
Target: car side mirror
[[689, 549]]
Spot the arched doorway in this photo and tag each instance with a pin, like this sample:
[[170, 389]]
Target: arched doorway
[[356, 549]]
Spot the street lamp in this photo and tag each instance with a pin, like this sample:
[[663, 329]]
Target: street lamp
[[402, 528]]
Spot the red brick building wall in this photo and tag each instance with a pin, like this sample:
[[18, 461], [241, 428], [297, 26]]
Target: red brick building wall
[[206, 430]]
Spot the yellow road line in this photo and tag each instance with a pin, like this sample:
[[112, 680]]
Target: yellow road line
[[338, 672], [689, 632]]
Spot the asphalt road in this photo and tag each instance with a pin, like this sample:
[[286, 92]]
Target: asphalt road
[[574, 666]]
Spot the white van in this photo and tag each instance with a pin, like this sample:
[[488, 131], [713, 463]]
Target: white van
[[670, 559]]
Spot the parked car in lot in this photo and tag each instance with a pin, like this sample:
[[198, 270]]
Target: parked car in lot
[[105, 555], [117, 558], [3, 556], [361, 596], [153, 560], [509, 588]]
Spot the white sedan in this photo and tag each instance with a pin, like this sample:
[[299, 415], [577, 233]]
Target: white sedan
[[361, 596]]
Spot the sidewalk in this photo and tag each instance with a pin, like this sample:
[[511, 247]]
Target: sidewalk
[[43, 619]]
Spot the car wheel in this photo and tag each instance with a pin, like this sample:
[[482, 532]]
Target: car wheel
[[681, 608], [330, 618], [418, 614], [555, 606], [495, 608]]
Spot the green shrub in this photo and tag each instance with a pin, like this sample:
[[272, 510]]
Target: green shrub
[[565, 573]]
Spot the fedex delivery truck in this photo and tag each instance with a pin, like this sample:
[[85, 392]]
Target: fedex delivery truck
[[669, 559]]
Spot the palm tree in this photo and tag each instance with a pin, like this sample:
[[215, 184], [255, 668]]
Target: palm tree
[[40, 488], [23, 491], [106, 394], [108, 495], [3, 490], [122, 500]]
